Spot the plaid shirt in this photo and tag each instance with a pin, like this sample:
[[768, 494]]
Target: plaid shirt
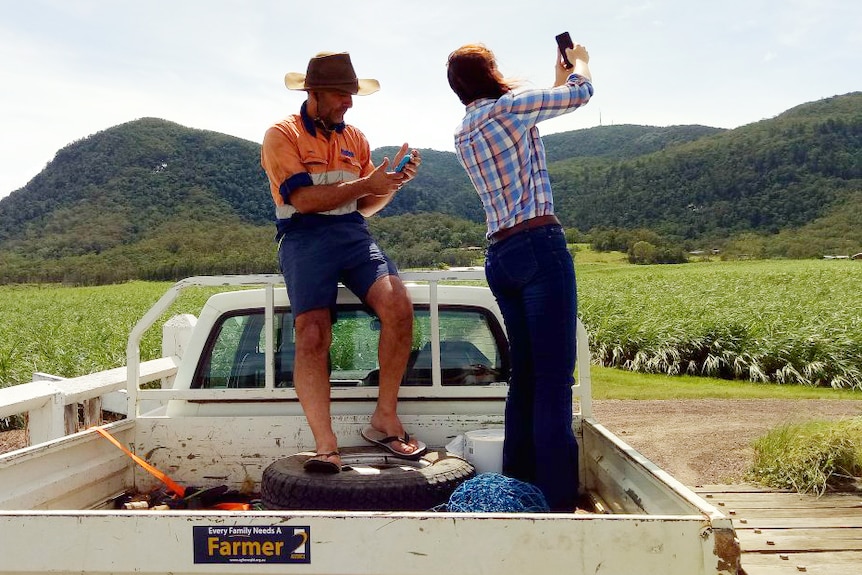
[[499, 145]]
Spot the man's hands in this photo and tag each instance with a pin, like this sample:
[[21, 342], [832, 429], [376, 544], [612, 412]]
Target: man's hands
[[383, 182], [412, 167], [370, 193]]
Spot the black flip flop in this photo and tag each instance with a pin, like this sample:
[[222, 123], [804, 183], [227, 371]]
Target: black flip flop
[[380, 439], [313, 465]]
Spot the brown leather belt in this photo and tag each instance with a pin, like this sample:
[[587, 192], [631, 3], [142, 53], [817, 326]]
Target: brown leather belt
[[536, 222]]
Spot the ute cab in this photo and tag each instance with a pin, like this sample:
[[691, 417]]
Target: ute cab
[[459, 360]]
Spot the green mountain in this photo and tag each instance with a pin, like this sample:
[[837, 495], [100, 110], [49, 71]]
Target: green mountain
[[765, 177], [115, 186], [155, 200], [620, 142], [442, 185]]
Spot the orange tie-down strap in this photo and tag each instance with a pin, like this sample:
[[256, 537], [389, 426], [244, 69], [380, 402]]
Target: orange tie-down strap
[[161, 476], [172, 485]]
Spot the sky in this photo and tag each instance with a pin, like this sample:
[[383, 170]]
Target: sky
[[72, 68]]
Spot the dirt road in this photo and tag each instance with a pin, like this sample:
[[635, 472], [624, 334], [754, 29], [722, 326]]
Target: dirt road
[[705, 442]]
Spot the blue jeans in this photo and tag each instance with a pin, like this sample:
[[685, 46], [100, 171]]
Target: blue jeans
[[532, 277]]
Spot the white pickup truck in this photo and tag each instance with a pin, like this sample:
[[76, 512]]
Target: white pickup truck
[[219, 414]]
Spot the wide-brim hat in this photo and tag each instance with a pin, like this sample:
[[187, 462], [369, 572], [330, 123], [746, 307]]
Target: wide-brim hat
[[331, 71]]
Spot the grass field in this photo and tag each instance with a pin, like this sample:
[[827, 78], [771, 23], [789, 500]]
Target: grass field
[[74, 331], [785, 321]]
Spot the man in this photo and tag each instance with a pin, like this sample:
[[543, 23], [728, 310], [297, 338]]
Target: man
[[324, 185]]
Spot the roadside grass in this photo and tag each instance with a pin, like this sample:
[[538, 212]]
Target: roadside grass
[[614, 383], [811, 457]]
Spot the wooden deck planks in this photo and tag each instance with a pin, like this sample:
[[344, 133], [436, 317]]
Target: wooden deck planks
[[782, 532], [833, 563], [786, 500], [791, 540]]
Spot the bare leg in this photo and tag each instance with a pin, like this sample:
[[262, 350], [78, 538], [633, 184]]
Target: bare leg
[[390, 301], [311, 377]]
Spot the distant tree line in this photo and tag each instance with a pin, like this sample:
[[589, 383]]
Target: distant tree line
[[643, 246], [182, 247]]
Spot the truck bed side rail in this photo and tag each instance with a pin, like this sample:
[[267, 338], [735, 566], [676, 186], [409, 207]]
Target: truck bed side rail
[[52, 406]]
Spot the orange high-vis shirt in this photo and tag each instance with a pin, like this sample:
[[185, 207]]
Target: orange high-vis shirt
[[296, 154]]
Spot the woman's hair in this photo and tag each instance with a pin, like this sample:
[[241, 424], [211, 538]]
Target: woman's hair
[[473, 74]]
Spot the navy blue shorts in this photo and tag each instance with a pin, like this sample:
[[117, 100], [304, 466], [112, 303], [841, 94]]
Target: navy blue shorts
[[314, 259]]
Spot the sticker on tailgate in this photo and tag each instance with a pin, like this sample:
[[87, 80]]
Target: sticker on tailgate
[[251, 544]]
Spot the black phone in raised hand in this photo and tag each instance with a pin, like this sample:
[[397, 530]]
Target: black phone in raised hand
[[565, 41]]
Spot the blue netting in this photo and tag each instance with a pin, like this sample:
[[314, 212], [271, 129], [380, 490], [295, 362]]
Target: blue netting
[[492, 492]]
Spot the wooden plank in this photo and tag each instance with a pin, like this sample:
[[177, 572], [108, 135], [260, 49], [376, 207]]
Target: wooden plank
[[78, 389], [25, 397], [801, 522], [797, 540], [785, 501], [833, 563], [853, 514], [782, 532], [737, 488]]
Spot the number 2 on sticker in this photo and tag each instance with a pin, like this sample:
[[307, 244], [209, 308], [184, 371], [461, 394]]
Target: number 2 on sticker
[[304, 535]]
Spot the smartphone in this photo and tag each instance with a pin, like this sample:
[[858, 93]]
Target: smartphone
[[404, 161], [565, 41]]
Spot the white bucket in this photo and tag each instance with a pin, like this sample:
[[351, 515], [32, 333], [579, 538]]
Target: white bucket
[[483, 448]]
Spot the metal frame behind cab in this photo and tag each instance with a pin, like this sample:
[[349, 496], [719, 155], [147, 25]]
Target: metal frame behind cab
[[582, 389]]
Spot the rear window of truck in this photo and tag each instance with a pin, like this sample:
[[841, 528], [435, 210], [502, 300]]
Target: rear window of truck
[[472, 349]]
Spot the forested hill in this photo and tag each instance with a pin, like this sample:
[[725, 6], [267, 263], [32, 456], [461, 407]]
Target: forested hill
[[772, 175], [154, 191], [620, 142], [442, 185], [116, 186]]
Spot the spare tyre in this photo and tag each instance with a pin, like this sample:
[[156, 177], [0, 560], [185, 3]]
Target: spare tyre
[[370, 480]]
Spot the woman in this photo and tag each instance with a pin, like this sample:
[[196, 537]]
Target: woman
[[527, 264]]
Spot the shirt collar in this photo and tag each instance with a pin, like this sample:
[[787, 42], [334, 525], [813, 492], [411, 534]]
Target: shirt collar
[[309, 124]]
